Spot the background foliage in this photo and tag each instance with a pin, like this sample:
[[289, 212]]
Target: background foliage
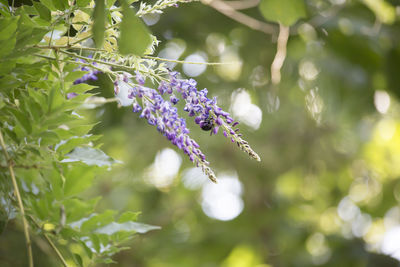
[[325, 193]]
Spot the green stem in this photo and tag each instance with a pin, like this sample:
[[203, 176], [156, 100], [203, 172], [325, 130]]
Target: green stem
[[59, 255], [187, 62], [19, 199], [147, 57], [130, 69]]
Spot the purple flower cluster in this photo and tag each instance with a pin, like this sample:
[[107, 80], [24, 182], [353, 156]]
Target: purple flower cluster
[[91, 75], [162, 114]]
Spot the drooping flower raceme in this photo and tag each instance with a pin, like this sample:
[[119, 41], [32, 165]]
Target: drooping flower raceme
[[158, 108], [162, 114]]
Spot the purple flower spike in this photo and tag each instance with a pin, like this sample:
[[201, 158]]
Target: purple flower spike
[[215, 130]]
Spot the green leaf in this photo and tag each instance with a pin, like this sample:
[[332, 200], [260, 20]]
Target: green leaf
[[48, 138], [77, 209], [98, 220], [286, 12], [8, 26], [22, 119], [78, 178], [30, 10], [80, 88], [7, 65], [39, 97], [56, 180], [48, 4], [43, 11], [56, 99], [61, 4], [99, 26], [110, 3], [67, 145], [135, 37], [28, 33], [136, 227], [128, 216], [82, 3], [7, 46], [58, 118], [90, 156]]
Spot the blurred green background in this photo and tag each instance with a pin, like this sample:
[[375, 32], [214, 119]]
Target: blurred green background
[[327, 190]]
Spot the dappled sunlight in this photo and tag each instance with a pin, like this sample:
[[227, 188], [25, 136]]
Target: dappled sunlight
[[194, 178], [164, 169], [223, 201], [216, 44], [381, 101], [232, 67], [308, 70], [383, 151], [316, 245], [315, 104], [244, 110], [391, 243]]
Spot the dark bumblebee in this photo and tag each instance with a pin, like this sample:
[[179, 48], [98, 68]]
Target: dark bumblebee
[[207, 124]]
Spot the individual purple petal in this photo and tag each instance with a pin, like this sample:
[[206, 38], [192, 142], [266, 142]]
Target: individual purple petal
[[215, 130], [174, 100], [219, 121]]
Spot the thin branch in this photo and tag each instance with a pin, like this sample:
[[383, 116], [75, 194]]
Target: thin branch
[[69, 47], [20, 203], [55, 47], [59, 255], [188, 62], [280, 54], [229, 11], [96, 60]]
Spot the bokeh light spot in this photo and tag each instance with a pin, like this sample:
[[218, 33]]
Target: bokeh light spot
[[381, 101], [244, 110], [164, 169], [223, 201]]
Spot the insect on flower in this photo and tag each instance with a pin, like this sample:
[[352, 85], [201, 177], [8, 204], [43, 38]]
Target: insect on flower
[[207, 124]]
